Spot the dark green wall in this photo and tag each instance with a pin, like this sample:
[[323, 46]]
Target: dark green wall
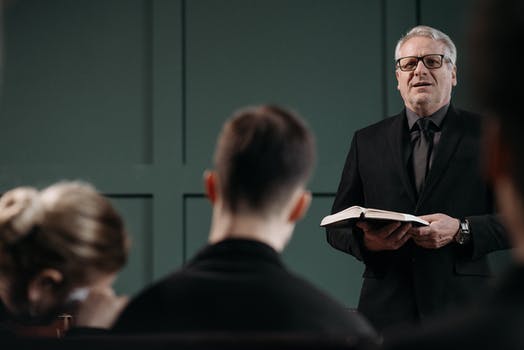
[[130, 95]]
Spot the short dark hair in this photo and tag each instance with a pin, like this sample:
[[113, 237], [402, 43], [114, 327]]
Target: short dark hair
[[263, 153], [496, 36]]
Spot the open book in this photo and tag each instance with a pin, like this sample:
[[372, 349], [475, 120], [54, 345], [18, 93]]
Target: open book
[[360, 213]]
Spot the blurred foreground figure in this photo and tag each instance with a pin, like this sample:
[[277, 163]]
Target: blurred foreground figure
[[58, 247]]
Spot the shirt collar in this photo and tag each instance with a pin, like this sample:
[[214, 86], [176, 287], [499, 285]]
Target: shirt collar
[[436, 117]]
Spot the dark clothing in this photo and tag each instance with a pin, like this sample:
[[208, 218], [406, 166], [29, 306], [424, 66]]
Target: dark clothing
[[5, 329], [237, 285], [494, 323], [412, 283]]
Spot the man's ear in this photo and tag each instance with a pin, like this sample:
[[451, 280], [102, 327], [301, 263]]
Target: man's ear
[[454, 80], [397, 73], [300, 206], [43, 285], [210, 185], [497, 155]]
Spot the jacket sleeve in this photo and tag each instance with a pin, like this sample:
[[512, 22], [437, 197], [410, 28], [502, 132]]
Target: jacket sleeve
[[348, 238], [488, 235]]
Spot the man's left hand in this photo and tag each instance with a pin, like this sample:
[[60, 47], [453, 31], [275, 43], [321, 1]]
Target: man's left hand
[[440, 232]]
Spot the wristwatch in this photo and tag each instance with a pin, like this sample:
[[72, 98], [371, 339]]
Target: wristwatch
[[463, 234]]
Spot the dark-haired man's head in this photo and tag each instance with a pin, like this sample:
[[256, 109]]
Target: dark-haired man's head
[[263, 159], [262, 155], [497, 35]]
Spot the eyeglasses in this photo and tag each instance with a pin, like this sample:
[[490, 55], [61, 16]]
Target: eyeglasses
[[410, 63]]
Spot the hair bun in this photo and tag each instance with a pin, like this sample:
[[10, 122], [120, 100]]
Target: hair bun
[[20, 210]]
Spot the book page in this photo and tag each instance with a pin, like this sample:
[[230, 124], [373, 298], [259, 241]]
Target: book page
[[356, 212], [353, 212], [394, 216]]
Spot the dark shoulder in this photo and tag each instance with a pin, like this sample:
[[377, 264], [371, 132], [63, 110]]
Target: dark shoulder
[[160, 289], [147, 304], [326, 309], [381, 127], [471, 119], [473, 116]]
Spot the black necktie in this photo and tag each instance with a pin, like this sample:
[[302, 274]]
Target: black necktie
[[422, 138]]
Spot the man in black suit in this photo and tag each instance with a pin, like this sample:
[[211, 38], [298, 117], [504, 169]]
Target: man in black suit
[[496, 321], [423, 161], [238, 282]]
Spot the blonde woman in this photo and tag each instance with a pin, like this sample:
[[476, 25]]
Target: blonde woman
[[58, 246]]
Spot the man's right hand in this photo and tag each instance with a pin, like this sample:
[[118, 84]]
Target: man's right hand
[[387, 237]]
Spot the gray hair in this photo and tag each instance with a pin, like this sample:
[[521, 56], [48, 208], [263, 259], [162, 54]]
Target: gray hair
[[432, 33]]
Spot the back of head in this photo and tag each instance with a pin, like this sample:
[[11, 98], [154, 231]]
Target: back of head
[[263, 154], [496, 37], [67, 227], [432, 33]]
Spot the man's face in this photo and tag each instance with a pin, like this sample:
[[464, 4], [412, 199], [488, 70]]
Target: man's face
[[424, 90]]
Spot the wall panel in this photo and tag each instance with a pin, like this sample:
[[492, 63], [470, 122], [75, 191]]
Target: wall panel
[[451, 18], [76, 82], [312, 56], [168, 95], [137, 214], [400, 16], [197, 211], [310, 255]]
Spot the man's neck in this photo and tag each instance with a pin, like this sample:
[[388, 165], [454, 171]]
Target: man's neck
[[270, 231], [426, 109]]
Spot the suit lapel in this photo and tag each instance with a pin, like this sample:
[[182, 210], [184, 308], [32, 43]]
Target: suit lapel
[[451, 134], [401, 157]]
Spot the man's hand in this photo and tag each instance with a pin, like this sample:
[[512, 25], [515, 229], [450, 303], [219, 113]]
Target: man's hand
[[440, 232], [100, 309], [387, 237]]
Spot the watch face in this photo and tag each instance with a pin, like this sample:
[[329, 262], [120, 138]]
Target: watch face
[[463, 235]]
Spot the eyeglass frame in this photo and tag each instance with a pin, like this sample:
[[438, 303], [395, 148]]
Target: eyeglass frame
[[421, 58]]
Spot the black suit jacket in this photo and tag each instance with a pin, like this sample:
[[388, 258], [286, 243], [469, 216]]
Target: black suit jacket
[[238, 285], [412, 282], [495, 322]]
